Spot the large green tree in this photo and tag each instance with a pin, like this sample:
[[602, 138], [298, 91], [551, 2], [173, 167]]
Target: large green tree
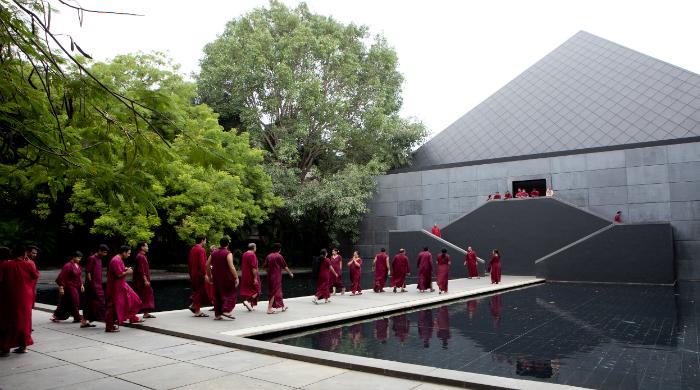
[[119, 148], [322, 98]]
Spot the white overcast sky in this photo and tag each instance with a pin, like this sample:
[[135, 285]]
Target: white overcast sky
[[453, 54]]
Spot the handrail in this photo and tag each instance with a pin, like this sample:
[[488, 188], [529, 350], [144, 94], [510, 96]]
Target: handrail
[[453, 246], [545, 257]]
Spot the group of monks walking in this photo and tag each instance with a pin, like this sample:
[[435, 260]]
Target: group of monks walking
[[214, 278], [399, 268]]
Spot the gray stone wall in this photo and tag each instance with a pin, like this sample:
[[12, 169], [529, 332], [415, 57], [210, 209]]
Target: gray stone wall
[[652, 184]]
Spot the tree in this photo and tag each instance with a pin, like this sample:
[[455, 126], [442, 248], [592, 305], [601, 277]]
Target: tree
[[321, 98]]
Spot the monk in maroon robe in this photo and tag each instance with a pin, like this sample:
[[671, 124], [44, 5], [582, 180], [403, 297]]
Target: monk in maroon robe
[[436, 230], [221, 270], [496, 195], [425, 326], [507, 195], [443, 271], [94, 308], [534, 193], [425, 271], [380, 266], [401, 325], [325, 272], [381, 330], [196, 265], [122, 302], [355, 266], [142, 280], [275, 263], [70, 285], [17, 280], [495, 266], [470, 262], [399, 269], [336, 282], [250, 280], [443, 325]]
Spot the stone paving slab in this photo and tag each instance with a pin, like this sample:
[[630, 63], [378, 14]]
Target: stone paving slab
[[85, 368]]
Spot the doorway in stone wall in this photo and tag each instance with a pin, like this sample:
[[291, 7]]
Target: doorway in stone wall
[[529, 185]]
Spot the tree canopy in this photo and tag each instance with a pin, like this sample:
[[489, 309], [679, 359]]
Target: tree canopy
[[321, 98], [119, 147]]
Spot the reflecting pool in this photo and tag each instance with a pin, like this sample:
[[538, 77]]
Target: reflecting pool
[[595, 336]]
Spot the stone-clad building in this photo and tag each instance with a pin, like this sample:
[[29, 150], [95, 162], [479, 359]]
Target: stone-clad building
[[606, 127]]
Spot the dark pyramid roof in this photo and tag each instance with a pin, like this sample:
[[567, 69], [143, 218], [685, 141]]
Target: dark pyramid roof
[[587, 93]]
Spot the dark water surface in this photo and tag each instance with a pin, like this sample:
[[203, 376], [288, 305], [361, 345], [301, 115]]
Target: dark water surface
[[595, 336]]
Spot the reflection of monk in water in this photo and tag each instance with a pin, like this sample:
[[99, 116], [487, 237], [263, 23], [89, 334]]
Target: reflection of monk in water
[[400, 326], [443, 325], [381, 330], [537, 368], [471, 307], [356, 334], [328, 340], [425, 326], [496, 309]]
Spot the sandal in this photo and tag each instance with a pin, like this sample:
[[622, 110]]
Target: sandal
[[201, 314], [247, 306], [229, 316], [88, 325], [149, 315]]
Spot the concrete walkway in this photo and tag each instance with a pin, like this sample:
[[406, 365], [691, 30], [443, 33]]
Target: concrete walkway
[[303, 313], [67, 357]]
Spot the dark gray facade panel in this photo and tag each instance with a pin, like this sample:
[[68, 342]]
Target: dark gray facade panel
[[524, 230], [623, 254]]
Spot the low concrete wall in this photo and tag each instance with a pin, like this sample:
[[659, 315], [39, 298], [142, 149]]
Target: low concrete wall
[[637, 253]]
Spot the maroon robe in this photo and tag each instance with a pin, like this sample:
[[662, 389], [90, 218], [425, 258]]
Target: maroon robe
[[17, 280], [443, 325], [399, 269], [436, 231], [497, 196], [122, 301], [443, 271], [356, 276], [381, 330], [337, 281], [472, 271], [534, 193], [324, 277], [197, 266], [141, 270], [70, 278], [250, 282], [425, 326], [425, 271], [224, 283], [380, 271], [94, 309], [495, 269], [401, 325], [274, 262]]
